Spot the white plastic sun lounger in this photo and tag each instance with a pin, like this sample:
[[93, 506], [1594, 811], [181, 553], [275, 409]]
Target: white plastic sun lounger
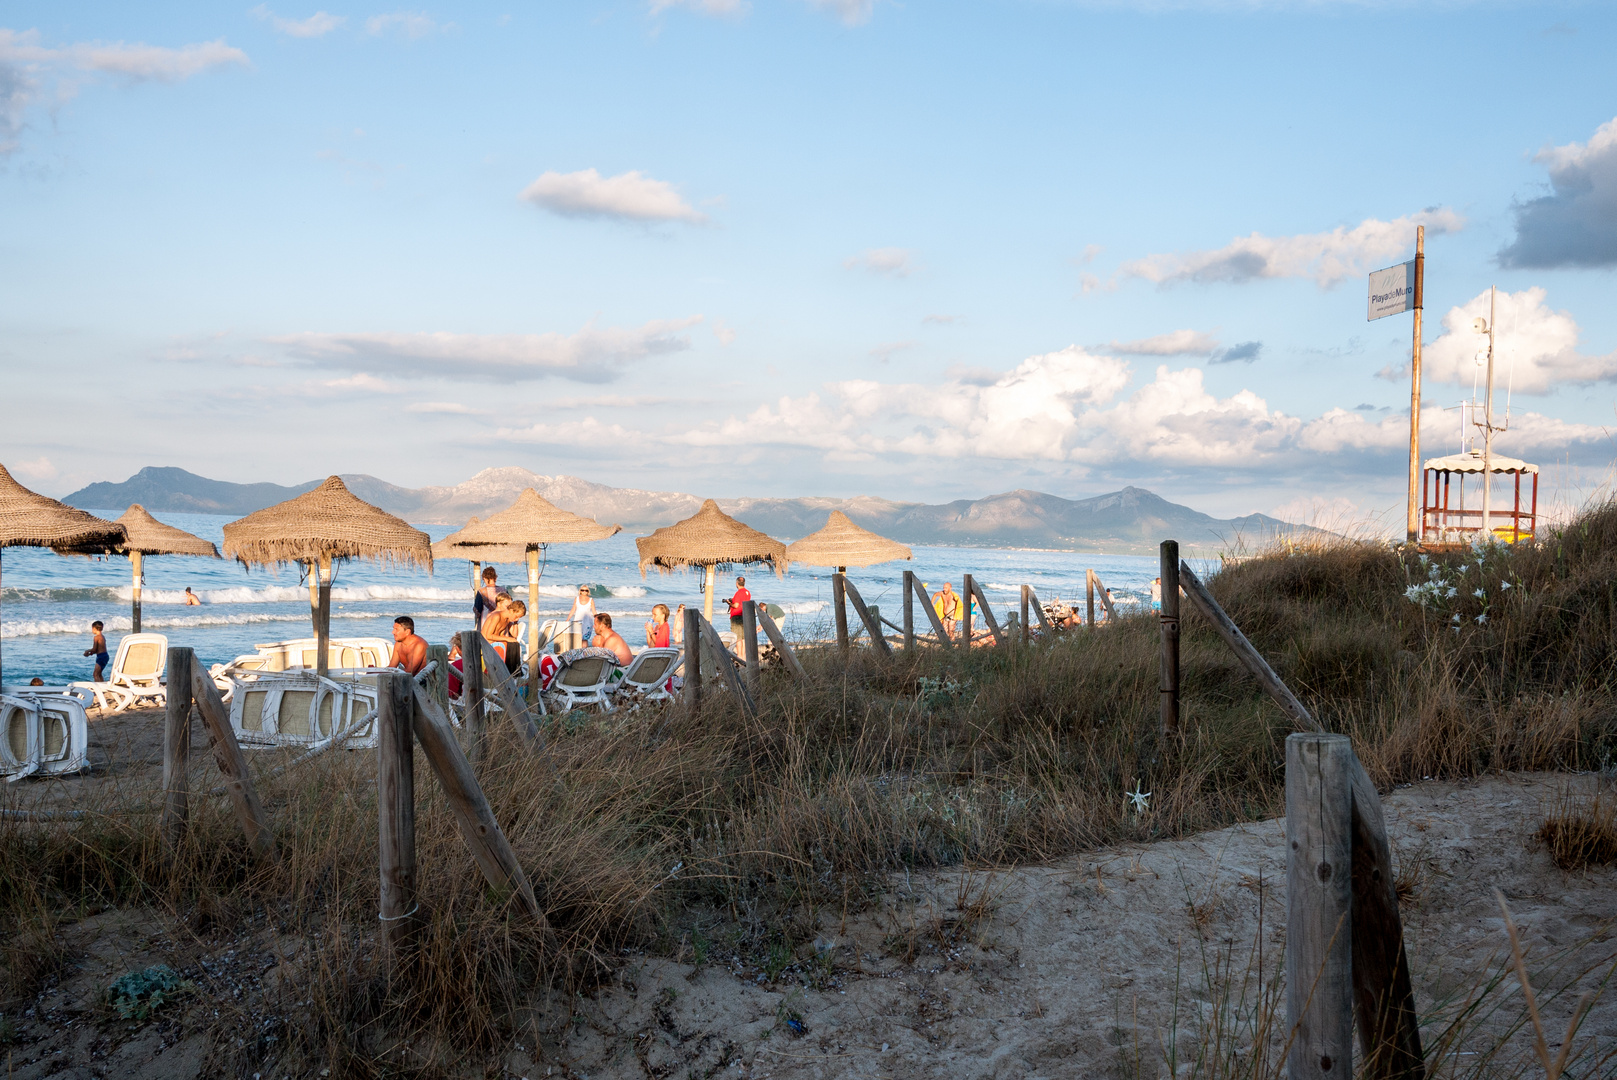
[[646, 677], [585, 678], [298, 708], [42, 735], [136, 676]]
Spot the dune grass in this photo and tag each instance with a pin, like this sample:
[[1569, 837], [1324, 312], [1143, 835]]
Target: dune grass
[[1447, 666]]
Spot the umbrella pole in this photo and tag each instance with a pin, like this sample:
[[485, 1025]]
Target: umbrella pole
[[2, 671], [322, 634], [314, 599], [533, 605], [134, 618], [707, 601]]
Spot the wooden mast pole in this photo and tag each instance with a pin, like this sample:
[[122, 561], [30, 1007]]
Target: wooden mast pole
[[1413, 524]]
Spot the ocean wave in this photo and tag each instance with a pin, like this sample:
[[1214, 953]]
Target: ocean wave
[[18, 628], [240, 594], [804, 607]]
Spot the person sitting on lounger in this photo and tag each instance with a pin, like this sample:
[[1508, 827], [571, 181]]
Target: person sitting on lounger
[[409, 650], [457, 667], [608, 638]]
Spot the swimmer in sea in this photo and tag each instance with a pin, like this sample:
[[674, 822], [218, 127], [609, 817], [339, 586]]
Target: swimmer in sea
[[191, 598]]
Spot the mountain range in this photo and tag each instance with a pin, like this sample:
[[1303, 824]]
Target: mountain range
[[1129, 521]]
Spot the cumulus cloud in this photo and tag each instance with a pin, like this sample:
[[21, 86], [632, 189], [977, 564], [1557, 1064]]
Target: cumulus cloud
[[630, 196], [1576, 223], [317, 25], [851, 12], [1070, 407], [410, 24], [1328, 258], [1535, 347], [592, 355], [30, 71], [1174, 343], [729, 8], [889, 261]]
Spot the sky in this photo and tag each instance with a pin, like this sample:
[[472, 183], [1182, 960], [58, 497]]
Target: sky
[[922, 251]]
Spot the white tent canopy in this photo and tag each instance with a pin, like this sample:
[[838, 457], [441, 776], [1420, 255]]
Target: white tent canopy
[[1472, 463]]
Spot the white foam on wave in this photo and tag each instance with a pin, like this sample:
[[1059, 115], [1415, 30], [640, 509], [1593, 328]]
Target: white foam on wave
[[121, 623], [804, 607]]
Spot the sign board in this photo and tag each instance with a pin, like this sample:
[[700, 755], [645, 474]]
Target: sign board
[[1392, 291]]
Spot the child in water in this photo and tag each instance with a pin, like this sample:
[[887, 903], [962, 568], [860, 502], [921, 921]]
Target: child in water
[[98, 647]]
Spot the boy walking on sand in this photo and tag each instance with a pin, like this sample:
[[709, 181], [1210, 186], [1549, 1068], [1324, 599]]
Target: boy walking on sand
[[98, 648]]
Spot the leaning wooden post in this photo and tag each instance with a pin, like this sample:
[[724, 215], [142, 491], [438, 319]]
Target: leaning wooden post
[[177, 747], [395, 804], [931, 614], [691, 640], [232, 763], [134, 618], [1026, 589], [839, 601], [471, 692], [964, 607], [749, 641], [1089, 590], [779, 641], [1319, 905], [322, 634], [727, 670], [988, 612], [1169, 619], [878, 640], [909, 611]]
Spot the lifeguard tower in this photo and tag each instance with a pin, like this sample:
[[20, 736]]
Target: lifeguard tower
[[1451, 500]]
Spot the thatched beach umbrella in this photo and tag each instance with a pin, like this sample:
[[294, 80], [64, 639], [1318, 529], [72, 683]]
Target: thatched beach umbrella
[[148, 536], [708, 538], [843, 544], [527, 526], [318, 526], [28, 519]]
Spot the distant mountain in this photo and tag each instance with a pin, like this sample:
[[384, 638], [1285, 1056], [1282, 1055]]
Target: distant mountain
[[1132, 520]]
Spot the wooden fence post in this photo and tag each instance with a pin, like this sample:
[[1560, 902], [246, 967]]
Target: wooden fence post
[[691, 641], [909, 610], [471, 692], [727, 669], [988, 612], [872, 624], [1089, 591], [1038, 610], [1319, 916], [478, 826], [177, 747], [395, 808], [232, 763], [779, 640], [749, 641], [1026, 589], [1169, 620], [839, 607], [965, 611], [1249, 656]]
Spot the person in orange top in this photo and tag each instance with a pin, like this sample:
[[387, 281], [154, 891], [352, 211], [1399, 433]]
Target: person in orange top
[[657, 632], [741, 596]]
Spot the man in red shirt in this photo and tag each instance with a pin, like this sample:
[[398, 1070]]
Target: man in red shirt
[[741, 597]]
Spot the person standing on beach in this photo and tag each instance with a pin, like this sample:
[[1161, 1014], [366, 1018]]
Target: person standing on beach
[[483, 600], [947, 604], [676, 636], [739, 597], [582, 616], [657, 632], [1156, 594], [98, 649], [409, 649]]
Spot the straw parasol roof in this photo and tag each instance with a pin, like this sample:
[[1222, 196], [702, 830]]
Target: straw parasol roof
[[329, 522], [842, 543], [707, 538], [149, 536], [28, 519], [450, 547], [528, 523]]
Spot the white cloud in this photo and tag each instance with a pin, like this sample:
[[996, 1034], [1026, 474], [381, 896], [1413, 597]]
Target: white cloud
[[1175, 343], [1328, 258], [727, 8], [27, 68], [410, 24], [1535, 348], [629, 196], [884, 352], [590, 355], [317, 25], [445, 408], [890, 261], [36, 470], [724, 332], [586, 433], [1576, 224], [361, 380], [851, 12]]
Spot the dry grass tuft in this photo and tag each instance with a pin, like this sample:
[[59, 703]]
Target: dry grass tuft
[[1581, 830]]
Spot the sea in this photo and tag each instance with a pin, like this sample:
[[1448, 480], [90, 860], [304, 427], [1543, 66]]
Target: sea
[[48, 601]]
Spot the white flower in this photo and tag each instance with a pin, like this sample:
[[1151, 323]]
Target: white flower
[[1453, 591], [1456, 618], [1482, 618], [1464, 568], [1479, 594], [1504, 584], [1140, 799]]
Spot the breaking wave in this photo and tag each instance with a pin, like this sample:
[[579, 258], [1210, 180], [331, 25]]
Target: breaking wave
[[17, 628]]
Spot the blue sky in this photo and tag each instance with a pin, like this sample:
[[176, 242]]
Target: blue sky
[[780, 247]]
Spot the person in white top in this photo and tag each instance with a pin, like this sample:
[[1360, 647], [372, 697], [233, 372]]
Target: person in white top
[[582, 617]]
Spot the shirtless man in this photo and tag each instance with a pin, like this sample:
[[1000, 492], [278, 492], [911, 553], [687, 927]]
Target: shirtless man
[[409, 651], [191, 598], [947, 604], [608, 638]]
